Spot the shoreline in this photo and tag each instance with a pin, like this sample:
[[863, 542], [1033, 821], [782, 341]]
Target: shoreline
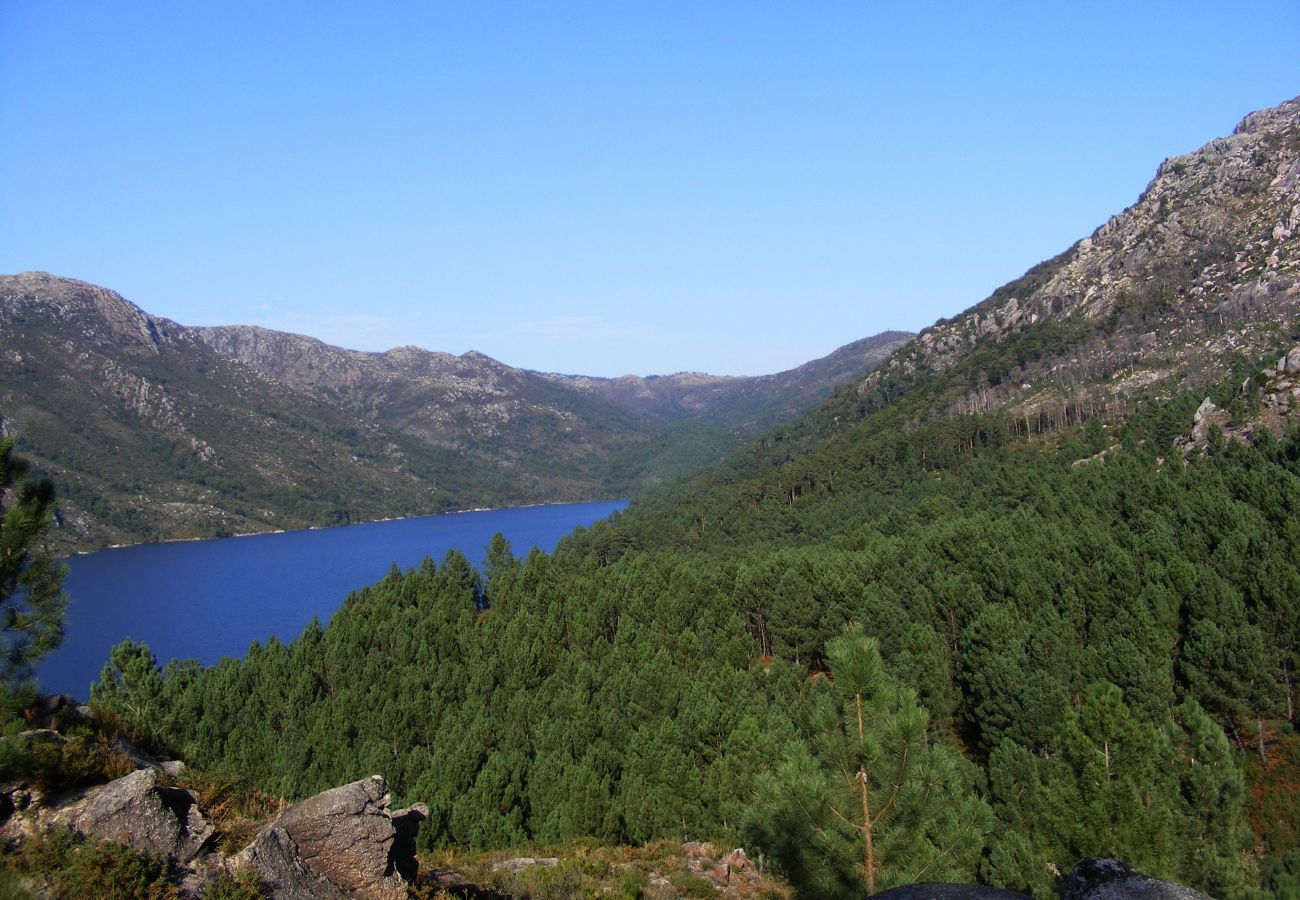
[[245, 534]]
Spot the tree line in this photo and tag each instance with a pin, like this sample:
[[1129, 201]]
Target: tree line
[[1051, 662]]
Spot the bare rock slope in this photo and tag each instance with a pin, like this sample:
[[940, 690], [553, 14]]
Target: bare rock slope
[[1201, 274]]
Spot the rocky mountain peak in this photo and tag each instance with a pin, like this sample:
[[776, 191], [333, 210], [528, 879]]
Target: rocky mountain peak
[[1274, 118], [1202, 270], [90, 312]]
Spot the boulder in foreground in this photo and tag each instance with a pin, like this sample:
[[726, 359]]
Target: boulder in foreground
[[1100, 878], [135, 810], [344, 842]]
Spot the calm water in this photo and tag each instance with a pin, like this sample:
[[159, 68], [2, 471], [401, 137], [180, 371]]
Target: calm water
[[209, 599]]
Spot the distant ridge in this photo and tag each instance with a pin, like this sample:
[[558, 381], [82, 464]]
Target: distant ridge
[[156, 430]]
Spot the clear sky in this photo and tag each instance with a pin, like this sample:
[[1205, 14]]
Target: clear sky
[[599, 187]]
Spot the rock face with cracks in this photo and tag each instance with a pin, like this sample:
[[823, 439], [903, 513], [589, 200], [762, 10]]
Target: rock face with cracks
[[137, 811], [341, 843]]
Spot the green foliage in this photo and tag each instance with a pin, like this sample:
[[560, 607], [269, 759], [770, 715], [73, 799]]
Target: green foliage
[[31, 596], [73, 868], [59, 863], [1166, 799], [130, 687], [1284, 879], [1102, 644], [870, 801]]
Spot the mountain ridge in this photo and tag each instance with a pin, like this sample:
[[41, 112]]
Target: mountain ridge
[[1200, 269], [159, 430]]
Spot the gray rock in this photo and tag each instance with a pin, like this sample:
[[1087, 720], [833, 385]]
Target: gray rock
[[518, 863], [340, 843], [135, 810], [39, 736], [1290, 362], [282, 873], [1206, 408], [1099, 878]]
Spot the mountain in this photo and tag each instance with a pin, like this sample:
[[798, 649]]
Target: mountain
[[1196, 279], [470, 403], [1016, 658], [748, 402], [1194, 290], [154, 430]]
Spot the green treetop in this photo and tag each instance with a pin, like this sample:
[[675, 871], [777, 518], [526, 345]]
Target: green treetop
[[31, 597], [871, 800]]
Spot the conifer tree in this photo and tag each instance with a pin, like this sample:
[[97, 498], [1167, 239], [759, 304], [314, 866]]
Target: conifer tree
[[31, 596], [871, 800]]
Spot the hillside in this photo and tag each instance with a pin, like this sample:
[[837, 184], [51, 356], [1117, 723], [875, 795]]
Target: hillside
[[749, 402], [1197, 278], [895, 640], [155, 430]]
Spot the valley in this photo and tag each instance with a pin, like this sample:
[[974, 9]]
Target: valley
[[1000, 604], [156, 431]]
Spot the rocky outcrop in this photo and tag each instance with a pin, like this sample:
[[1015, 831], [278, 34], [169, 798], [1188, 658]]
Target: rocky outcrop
[[281, 872], [731, 872], [1099, 878], [516, 863], [1201, 270], [344, 842], [137, 811], [1268, 400]]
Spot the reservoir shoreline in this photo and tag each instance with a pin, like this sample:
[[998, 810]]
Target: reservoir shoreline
[[207, 599]]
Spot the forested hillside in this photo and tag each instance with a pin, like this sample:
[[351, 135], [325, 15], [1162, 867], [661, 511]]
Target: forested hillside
[[892, 641], [641, 683]]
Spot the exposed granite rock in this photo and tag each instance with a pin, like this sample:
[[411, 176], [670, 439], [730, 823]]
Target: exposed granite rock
[[730, 872], [281, 871], [1270, 400], [345, 838], [137, 811], [1099, 878], [516, 863], [1203, 269]]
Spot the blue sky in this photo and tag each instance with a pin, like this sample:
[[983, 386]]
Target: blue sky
[[598, 187]]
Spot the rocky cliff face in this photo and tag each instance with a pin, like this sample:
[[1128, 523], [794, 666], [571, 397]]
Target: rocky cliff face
[[1200, 274]]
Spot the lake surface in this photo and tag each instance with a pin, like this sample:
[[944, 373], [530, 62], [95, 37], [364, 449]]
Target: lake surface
[[209, 599]]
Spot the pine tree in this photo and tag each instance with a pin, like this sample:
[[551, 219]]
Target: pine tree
[[871, 800], [131, 686], [31, 597]]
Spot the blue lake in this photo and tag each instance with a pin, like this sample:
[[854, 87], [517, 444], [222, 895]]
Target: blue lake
[[209, 599]]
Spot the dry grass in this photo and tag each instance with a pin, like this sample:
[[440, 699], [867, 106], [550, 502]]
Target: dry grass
[[660, 870], [236, 810]]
